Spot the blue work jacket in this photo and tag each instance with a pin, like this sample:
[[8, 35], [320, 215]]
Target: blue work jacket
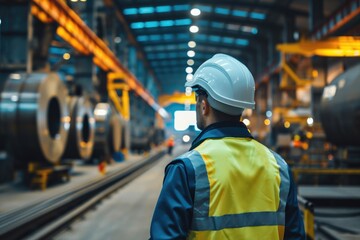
[[173, 213]]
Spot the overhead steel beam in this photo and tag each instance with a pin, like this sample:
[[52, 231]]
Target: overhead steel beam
[[262, 24], [82, 38], [255, 38], [273, 7]]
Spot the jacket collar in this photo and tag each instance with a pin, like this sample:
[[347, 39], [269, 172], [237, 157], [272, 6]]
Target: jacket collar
[[221, 130]]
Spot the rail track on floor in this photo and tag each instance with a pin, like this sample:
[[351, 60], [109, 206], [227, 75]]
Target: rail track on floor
[[45, 219]]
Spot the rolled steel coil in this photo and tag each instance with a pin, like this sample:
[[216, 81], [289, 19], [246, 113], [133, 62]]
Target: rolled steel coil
[[115, 133], [81, 135], [8, 110], [340, 108], [37, 121], [102, 115]]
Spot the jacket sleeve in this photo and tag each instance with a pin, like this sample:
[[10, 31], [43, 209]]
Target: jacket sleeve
[[173, 211], [294, 225]]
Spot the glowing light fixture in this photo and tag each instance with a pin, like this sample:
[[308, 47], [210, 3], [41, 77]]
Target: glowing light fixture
[[192, 44], [191, 53], [66, 56], [195, 12], [189, 70], [190, 62], [287, 124], [189, 77], [310, 121], [267, 122], [186, 138], [309, 135], [188, 91], [194, 29]]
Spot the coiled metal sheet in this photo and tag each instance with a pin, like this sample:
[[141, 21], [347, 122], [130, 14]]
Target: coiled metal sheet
[[8, 110], [115, 133], [42, 120], [108, 131], [102, 114], [81, 136]]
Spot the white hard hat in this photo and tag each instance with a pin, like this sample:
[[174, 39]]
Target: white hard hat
[[229, 84]]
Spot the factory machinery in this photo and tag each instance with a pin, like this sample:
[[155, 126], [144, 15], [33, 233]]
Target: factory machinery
[[340, 116], [54, 110], [42, 125]]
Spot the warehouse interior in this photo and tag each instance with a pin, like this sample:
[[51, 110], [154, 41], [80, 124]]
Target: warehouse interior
[[100, 82]]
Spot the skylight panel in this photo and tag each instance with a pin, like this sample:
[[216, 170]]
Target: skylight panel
[[151, 24], [228, 40], [239, 13], [182, 22], [146, 10], [200, 37], [214, 38], [256, 15], [151, 56], [233, 27], [149, 49], [168, 37], [173, 55], [183, 36], [137, 25], [130, 11], [242, 42], [142, 38], [171, 47], [202, 23], [155, 37], [223, 11], [166, 23], [205, 8], [217, 24], [161, 55], [162, 9], [184, 7], [183, 46]]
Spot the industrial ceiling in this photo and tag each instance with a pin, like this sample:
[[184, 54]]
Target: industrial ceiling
[[165, 32]]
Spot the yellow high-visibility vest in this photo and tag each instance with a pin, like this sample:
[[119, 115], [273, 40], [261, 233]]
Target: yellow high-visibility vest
[[241, 189]]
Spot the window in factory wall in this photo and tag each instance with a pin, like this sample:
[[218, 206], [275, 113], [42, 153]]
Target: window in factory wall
[[183, 119]]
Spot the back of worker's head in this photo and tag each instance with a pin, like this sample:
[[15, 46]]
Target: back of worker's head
[[228, 83]]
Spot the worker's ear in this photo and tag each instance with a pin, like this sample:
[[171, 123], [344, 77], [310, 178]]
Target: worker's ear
[[205, 107]]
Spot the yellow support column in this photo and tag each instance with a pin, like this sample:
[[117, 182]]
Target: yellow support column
[[122, 104]]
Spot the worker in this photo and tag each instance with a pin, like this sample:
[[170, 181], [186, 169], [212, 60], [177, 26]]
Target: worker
[[228, 186], [170, 144]]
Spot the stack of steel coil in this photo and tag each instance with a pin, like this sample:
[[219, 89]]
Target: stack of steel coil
[[107, 131], [82, 129], [34, 117]]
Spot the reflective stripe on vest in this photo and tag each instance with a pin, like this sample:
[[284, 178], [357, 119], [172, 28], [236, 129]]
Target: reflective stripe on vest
[[202, 218]]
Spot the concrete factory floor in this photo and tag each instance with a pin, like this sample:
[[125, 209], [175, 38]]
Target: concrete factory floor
[[127, 213], [16, 195]]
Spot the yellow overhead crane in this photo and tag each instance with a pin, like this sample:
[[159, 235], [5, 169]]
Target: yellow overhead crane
[[177, 97], [73, 30], [344, 46]]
